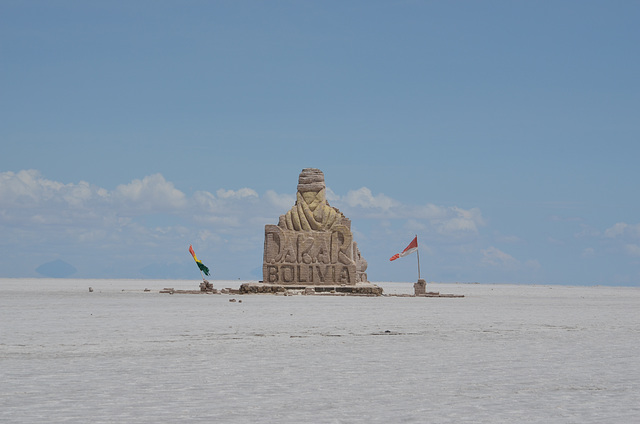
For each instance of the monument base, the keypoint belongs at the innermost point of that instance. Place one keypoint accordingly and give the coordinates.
(362, 289)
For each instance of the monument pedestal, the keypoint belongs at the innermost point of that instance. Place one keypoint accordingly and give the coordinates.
(361, 289)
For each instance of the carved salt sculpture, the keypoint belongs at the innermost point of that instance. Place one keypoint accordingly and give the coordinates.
(312, 243)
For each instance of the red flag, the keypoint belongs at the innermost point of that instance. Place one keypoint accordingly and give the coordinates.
(413, 246)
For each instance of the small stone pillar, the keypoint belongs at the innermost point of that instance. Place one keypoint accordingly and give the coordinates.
(206, 286)
(420, 288)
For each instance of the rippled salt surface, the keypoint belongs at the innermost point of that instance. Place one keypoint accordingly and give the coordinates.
(502, 354)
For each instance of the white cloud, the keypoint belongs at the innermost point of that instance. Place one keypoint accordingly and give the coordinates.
(331, 196)
(91, 236)
(79, 194)
(633, 249)
(430, 212)
(587, 231)
(153, 192)
(29, 200)
(616, 230)
(28, 188)
(448, 221)
(363, 198)
(283, 202)
(204, 201)
(461, 220)
(508, 239)
(216, 220)
(495, 257)
(625, 236)
(236, 194)
(415, 226)
(555, 241)
(532, 264)
(209, 236)
(623, 229)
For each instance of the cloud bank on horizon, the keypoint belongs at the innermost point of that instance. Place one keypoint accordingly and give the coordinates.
(142, 227)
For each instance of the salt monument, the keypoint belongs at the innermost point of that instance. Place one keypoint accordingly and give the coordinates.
(312, 247)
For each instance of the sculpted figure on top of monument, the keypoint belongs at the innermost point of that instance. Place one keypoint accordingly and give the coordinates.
(311, 211)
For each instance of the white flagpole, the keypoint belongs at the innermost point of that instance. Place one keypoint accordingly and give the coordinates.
(418, 255)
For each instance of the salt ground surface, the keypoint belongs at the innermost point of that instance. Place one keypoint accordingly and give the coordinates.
(501, 354)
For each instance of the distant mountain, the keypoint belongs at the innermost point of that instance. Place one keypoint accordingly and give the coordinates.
(56, 269)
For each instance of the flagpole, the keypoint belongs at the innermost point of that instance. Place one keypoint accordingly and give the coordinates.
(418, 255)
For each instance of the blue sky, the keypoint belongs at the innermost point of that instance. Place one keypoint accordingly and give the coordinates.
(505, 134)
